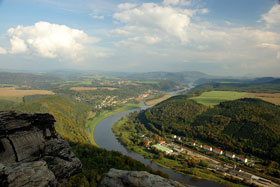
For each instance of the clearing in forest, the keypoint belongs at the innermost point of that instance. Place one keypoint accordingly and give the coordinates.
(269, 97)
(215, 97)
(11, 93)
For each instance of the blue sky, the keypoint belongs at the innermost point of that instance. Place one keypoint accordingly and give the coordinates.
(224, 37)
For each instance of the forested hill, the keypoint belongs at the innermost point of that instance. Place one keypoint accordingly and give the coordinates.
(259, 85)
(245, 125)
(28, 79)
(173, 115)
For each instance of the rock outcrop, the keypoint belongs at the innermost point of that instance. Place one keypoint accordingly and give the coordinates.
(31, 151)
(121, 178)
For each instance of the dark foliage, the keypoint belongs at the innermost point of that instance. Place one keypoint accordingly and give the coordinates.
(97, 161)
(244, 126)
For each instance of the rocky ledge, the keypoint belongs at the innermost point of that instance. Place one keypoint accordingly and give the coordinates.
(121, 178)
(32, 153)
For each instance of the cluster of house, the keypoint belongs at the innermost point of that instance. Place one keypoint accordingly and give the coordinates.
(220, 152)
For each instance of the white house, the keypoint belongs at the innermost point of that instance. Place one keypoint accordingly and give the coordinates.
(218, 151)
(241, 158)
(230, 155)
(208, 148)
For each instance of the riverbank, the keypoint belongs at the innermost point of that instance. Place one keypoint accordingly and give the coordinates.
(127, 134)
(92, 124)
(105, 138)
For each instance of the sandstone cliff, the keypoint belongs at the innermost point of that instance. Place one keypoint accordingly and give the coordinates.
(32, 153)
(121, 178)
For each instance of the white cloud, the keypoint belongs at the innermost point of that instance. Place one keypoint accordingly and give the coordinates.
(270, 46)
(176, 2)
(3, 51)
(123, 32)
(156, 18)
(49, 40)
(126, 6)
(272, 18)
(170, 2)
(183, 36)
(273, 47)
(17, 45)
(97, 17)
(204, 11)
(139, 40)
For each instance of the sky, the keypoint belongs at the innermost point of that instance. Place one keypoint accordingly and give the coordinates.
(218, 37)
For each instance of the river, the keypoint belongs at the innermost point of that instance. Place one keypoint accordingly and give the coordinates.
(105, 138)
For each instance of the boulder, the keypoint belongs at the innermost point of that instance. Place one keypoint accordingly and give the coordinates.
(122, 178)
(31, 151)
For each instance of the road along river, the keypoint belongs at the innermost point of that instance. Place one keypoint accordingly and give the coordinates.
(105, 138)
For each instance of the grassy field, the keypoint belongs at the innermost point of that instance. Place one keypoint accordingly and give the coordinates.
(215, 97)
(92, 124)
(91, 88)
(269, 97)
(162, 148)
(156, 101)
(12, 94)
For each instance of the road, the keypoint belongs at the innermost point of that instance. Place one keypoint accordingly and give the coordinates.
(226, 165)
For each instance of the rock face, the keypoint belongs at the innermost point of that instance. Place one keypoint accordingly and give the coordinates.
(121, 178)
(31, 151)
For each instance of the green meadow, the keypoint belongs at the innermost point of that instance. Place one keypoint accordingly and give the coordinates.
(215, 97)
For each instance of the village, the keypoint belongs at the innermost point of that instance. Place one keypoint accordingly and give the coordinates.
(113, 100)
(174, 146)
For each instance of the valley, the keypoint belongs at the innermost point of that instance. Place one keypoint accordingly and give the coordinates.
(81, 102)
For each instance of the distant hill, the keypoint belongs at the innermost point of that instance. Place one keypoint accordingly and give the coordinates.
(179, 76)
(34, 80)
(264, 84)
(243, 126)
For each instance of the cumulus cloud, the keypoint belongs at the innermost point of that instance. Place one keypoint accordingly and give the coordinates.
(183, 36)
(49, 40)
(17, 45)
(272, 18)
(3, 51)
(152, 16)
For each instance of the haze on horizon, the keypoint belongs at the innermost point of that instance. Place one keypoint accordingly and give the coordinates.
(221, 37)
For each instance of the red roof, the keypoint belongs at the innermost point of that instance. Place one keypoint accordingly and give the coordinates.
(241, 157)
(229, 153)
(198, 144)
(162, 141)
(206, 146)
(218, 150)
